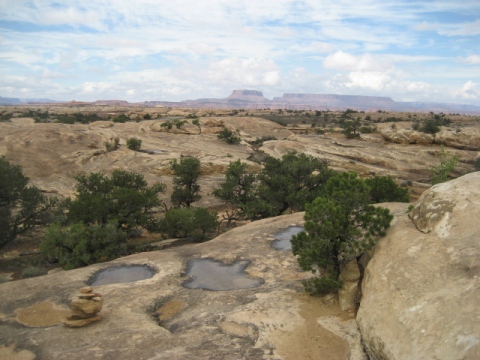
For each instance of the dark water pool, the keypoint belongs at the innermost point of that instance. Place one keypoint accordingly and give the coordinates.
(214, 275)
(121, 274)
(282, 239)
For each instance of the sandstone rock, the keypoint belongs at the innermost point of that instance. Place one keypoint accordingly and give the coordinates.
(76, 323)
(467, 138)
(406, 136)
(158, 318)
(421, 288)
(348, 294)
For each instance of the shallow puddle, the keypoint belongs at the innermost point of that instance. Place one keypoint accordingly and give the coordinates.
(214, 275)
(282, 239)
(121, 274)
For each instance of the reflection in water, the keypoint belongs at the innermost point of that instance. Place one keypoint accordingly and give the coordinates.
(121, 274)
(214, 275)
(282, 239)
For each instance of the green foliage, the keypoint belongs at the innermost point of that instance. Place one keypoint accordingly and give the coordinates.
(284, 184)
(112, 145)
(339, 226)
(134, 143)
(322, 285)
(289, 183)
(260, 141)
(22, 207)
(147, 117)
(366, 129)
(350, 129)
(188, 222)
(81, 245)
(185, 182)
(385, 189)
(33, 271)
(124, 198)
(5, 117)
(237, 190)
(170, 124)
(476, 164)
(229, 137)
(448, 163)
(122, 118)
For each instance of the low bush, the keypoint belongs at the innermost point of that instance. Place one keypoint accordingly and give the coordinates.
(80, 245)
(229, 137)
(134, 143)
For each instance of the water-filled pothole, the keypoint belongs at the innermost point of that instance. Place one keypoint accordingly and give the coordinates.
(121, 274)
(214, 275)
(282, 239)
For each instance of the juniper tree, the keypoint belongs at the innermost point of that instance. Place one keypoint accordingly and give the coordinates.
(339, 226)
(185, 182)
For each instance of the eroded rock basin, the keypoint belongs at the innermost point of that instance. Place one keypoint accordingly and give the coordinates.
(214, 275)
(282, 239)
(121, 274)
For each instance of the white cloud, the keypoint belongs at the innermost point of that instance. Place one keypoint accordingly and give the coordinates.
(374, 80)
(345, 61)
(244, 72)
(469, 91)
(472, 59)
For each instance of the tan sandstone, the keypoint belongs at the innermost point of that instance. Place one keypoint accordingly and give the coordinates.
(421, 288)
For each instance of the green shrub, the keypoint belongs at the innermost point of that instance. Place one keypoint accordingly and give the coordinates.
(188, 222)
(339, 226)
(366, 129)
(134, 143)
(476, 164)
(229, 137)
(112, 145)
(322, 285)
(80, 245)
(385, 189)
(121, 118)
(33, 271)
(448, 163)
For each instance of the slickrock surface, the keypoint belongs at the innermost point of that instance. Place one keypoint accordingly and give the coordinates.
(158, 318)
(52, 154)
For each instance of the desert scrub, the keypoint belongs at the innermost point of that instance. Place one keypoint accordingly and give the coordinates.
(33, 271)
(134, 143)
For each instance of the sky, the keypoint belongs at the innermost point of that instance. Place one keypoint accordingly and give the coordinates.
(143, 50)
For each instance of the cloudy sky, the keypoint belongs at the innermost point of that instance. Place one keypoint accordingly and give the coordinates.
(136, 50)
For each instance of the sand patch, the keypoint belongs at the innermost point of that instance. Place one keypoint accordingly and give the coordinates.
(42, 314)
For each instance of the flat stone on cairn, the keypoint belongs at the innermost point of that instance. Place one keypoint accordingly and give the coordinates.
(84, 308)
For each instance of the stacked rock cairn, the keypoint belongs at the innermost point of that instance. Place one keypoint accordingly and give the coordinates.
(84, 308)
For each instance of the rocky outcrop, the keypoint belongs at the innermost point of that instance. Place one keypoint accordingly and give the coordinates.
(421, 288)
(406, 136)
(467, 138)
(348, 295)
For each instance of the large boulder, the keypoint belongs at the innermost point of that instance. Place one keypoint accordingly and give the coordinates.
(421, 288)
(467, 138)
(406, 136)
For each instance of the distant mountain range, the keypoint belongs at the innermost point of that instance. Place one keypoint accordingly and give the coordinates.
(253, 99)
(17, 101)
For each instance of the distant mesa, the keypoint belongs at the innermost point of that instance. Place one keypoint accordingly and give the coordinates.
(254, 99)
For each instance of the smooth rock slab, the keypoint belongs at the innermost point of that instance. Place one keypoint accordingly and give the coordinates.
(421, 288)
